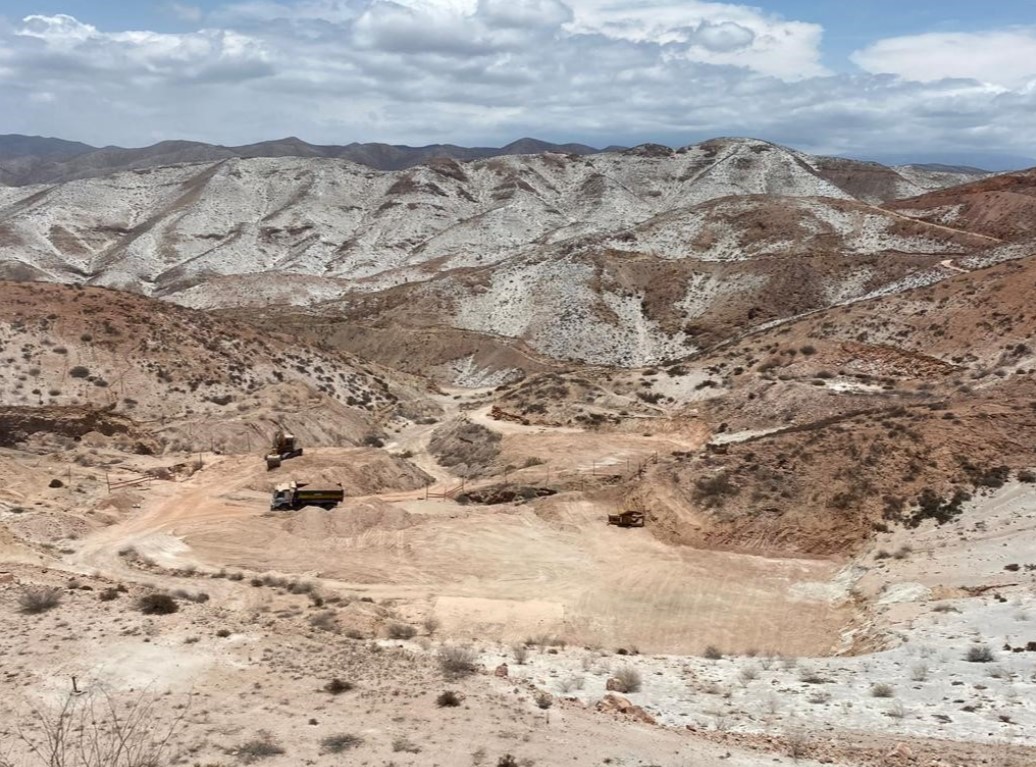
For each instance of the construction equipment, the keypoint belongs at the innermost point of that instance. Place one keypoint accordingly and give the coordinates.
(284, 447)
(294, 495)
(629, 518)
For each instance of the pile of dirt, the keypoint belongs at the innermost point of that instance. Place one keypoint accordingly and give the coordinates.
(360, 471)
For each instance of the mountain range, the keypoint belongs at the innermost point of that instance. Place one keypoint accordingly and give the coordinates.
(35, 160)
(622, 257)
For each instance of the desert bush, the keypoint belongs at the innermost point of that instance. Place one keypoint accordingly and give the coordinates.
(79, 372)
(919, 673)
(930, 505)
(401, 631)
(628, 678)
(337, 686)
(404, 744)
(38, 599)
(1026, 475)
(713, 491)
(749, 674)
(325, 621)
(263, 746)
(108, 594)
(979, 653)
(520, 653)
(882, 690)
(543, 700)
(101, 730)
(157, 604)
(431, 625)
(300, 587)
(457, 661)
(336, 744)
(809, 676)
(712, 653)
(448, 699)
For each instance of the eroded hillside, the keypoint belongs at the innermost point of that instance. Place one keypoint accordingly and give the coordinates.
(192, 380)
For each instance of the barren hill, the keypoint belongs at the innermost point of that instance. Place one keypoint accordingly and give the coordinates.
(84, 355)
(171, 231)
(855, 418)
(1002, 206)
(676, 283)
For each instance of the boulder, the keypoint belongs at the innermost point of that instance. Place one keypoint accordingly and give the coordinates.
(616, 704)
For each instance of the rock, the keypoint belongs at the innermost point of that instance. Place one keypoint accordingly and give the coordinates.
(616, 704)
(900, 751)
(501, 670)
(614, 685)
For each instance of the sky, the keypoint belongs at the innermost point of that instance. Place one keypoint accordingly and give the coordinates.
(893, 80)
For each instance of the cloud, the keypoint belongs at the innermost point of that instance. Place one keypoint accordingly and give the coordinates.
(481, 71)
(1006, 57)
(190, 13)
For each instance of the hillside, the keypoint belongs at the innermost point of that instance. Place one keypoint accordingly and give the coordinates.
(80, 360)
(679, 282)
(830, 427)
(1002, 206)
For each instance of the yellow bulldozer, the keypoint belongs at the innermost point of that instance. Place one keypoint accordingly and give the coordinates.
(284, 447)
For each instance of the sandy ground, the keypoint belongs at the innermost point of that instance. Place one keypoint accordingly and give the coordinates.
(804, 643)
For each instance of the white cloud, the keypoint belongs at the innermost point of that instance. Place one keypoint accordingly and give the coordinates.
(480, 71)
(1006, 57)
(191, 13)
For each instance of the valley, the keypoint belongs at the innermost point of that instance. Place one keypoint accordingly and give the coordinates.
(813, 376)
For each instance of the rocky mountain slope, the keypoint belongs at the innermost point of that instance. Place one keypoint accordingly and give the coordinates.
(81, 359)
(561, 230)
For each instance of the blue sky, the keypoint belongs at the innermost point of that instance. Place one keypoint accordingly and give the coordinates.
(948, 80)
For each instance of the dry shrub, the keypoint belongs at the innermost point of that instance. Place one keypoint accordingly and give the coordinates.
(157, 604)
(401, 631)
(38, 599)
(457, 661)
(628, 678)
(468, 448)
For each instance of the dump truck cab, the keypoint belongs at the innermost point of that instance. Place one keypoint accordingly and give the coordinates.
(282, 496)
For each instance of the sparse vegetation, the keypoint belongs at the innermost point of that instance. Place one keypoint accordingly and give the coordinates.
(882, 690)
(337, 686)
(448, 699)
(401, 631)
(263, 746)
(33, 600)
(336, 744)
(157, 604)
(712, 653)
(628, 679)
(457, 661)
(980, 653)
